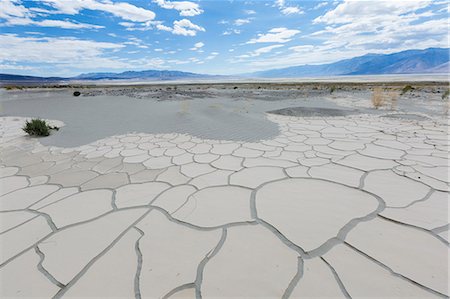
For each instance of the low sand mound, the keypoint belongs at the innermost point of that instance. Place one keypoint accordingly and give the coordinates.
(311, 111)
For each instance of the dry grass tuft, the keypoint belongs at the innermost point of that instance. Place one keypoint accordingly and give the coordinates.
(184, 107)
(377, 97)
(393, 97)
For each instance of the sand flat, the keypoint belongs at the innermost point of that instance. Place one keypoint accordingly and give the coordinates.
(213, 196)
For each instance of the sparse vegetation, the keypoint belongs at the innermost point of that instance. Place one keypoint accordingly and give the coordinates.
(393, 96)
(446, 94)
(332, 89)
(377, 97)
(13, 87)
(406, 89)
(38, 127)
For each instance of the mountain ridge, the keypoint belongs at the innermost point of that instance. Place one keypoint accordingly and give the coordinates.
(431, 60)
(427, 61)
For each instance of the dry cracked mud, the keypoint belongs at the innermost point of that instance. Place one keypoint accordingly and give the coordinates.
(334, 206)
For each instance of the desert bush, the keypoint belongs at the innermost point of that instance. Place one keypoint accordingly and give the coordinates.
(332, 89)
(446, 94)
(38, 127)
(13, 87)
(377, 97)
(76, 93)
(406, 89)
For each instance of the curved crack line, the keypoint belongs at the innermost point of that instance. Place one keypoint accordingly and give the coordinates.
(338, 279)
(113, 199)
(290, 288)
(179, 289)
(74, 280)
(201, 228)
(47, 218)
(328, 244)
(362, 179)
(185, 202)
(20, 224)
(137, 286)
(199, 278)
(44, 271)
(395, 273)
(46, 196)
(430, 232)
(64, 228)
(441, 229)
(426, 197)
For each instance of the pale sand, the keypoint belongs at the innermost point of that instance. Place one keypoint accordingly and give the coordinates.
(328, 205)
(211, 111)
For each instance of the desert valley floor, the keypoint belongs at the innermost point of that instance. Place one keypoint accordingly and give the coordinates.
(226, 191)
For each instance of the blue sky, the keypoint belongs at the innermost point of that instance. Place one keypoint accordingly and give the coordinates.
(69, 37)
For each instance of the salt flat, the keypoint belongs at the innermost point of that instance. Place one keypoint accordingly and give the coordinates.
(317, 203)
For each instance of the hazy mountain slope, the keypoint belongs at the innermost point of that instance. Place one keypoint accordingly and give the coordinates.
(431, 60)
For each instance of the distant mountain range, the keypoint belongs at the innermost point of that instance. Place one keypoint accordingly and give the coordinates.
(432, 60)
(129, 75)
(150, 74)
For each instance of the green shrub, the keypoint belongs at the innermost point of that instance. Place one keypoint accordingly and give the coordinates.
(332, 89)
(406, 89)
(13, 87)
(38, 127)
(446, 94)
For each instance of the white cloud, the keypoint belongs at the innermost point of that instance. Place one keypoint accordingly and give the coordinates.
(76, 53)
(186, 28)
(212, 55)
(52, 23)
(13, 9)
(355, 28)
(264, 50)
(356, 11)
(197, 46)
(186, 8)
(16, 14)
(320, 5)
(134, 41)
(127, 24)
(122, 10)
(64, 24)
(291, 10)
(258, 52)
(249, 12)
(382, 25)
(181, 27)
(148, 63)
(231, 31)
(163, 28)
(288, 10)
(240, 22)
(305, 48)
(275, 35)
(15, 67)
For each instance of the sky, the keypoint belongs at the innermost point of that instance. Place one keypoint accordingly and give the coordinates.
(70, 37)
